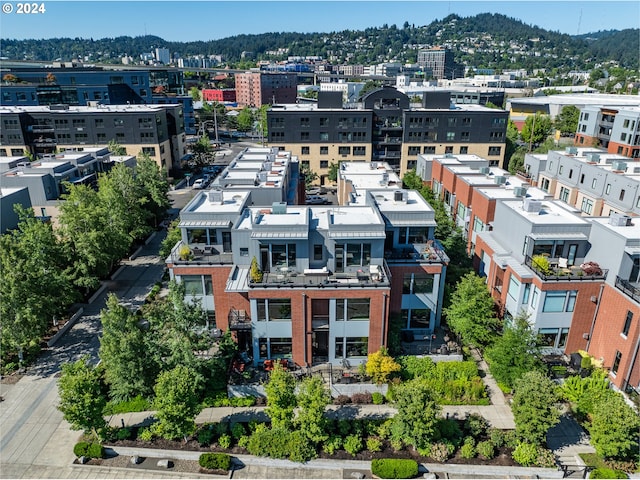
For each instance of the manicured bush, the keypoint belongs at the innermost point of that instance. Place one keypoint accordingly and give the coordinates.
(215, 461)
(607, 473)
(377, 398)
(475, 425)
(394, 468)
(88, 450)
(468, 449)
(364, 398)
(243, 441)
(342, 400)
(145, 434)
(374, 444)
(224, 441)
(496, 436)
(416, 367)
(123, 433)
(439, 452)
(274, 443)
(332, 444)
(353, 444)
(237, 430)
(301, 449)
(384, 429)
(137, 404)
(525, 454)
(205, 436)
(344, 427)
(546, 458)
(486, 449)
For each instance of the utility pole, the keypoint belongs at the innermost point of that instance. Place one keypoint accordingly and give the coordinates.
(533, 129)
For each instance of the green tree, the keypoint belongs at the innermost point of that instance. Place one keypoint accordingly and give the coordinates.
(417, 418)
(567, 119)
(514, 353)
(309, 176)
(202, 150)
(153, 187)
(534, 408)
(35, 282)
(174, 235)
(380, 366)
(281, 399)
(334, 168)
(115, 148)
(176, 402)
(245, 120)
(312, 399)
(460, 263)
(82, 399)
(195, 94)
(536, 128)
(471, 313)
(614, 427)
(516, 161)
(128, 370)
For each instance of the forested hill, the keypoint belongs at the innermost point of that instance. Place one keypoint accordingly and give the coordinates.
(485, 41)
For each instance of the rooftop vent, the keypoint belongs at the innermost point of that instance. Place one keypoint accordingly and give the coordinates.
(593, 157)
(532, 206)
(619, 166)
(279, 208)
(215, 196)
(571, 150)
(373, 165)
(262, 177)
(619, 220)
(500, 179)
(519, 191)
(267, 166)
(485, 170)
(400, 196)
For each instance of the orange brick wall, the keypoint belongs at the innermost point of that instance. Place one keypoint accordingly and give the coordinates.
(607, 339)
(397, 276)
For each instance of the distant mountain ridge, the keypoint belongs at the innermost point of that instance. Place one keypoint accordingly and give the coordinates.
(485, 41)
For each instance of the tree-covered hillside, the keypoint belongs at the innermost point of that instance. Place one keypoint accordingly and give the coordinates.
(485, 41)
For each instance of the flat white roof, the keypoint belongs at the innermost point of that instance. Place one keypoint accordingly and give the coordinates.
(387, 203)
(354, 215)
(552, 212)
(6, 191)
(10, 159)
(85, 109)
(630, 232)
(501, 193)
(232, 202)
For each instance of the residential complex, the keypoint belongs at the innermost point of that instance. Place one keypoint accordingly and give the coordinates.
(440, 63)
(616, 129)
(325, 279)
(385, 128)
(155, 130)
(564, 253)
(255, 88)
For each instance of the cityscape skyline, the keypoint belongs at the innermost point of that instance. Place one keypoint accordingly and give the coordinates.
(199, 20)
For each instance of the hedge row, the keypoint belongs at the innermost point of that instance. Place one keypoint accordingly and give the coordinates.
(88, 450)
(215, 461)
(394, 468)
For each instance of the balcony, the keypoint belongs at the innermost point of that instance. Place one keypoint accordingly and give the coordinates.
(556, 271)
(373, 276)
(197, 254)
(419, 253)
(238, 320)
(628, 288)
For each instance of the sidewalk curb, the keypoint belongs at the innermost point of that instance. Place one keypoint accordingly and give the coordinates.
(72, 321)
(99, 292)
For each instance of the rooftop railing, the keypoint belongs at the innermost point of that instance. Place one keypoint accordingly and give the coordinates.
(554, 272)
(628, 288)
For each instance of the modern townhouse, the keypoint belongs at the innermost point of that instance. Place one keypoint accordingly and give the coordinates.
(615, 128)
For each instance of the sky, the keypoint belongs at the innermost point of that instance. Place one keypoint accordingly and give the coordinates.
(176, 20)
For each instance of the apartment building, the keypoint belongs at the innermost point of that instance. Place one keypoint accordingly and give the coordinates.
(255, 88)
(596, 182)
(9, 197)
(385, 129)
(616, 129)
(574, 273)
(219, 95)
(156, 130)
(441, 62)
(330, 276)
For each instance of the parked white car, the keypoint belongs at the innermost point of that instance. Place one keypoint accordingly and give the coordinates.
(199, 184)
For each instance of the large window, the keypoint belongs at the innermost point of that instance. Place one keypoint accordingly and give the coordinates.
(283, 255)
(514, 288)
(197, 285)
(559, 301)
(616, 363)
(352, 347)
(358, 254)
(274, 309)
(279, 347)
(587, 206)
(416, 318)
(411, 235)
(353, 309)
(414, 283)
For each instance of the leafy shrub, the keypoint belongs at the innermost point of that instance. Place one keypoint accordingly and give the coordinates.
(215, 461)
(486, 449)
(397, 444)
(205, 435)
(237, 430)
(332, 444)
(526, 454)
(468, 449)
(374, 444)
(384, 429)
(377, 398)
(364, 398)
(353, 444)
(88, 450)
(416, 367)
(496, 436)
(301, 448)
(381, 366)
(439, 452)
(272, 443)
(344, 427)
(510, 439)
(450, 430)
(221, 428)
(224, 441)
(342, 400)
(394, 468)
(145, 434)
(545, 459)
(123, 433)
(624, 466)
(243, 441)
(607, 473)
(137, 404)
(475, 425)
